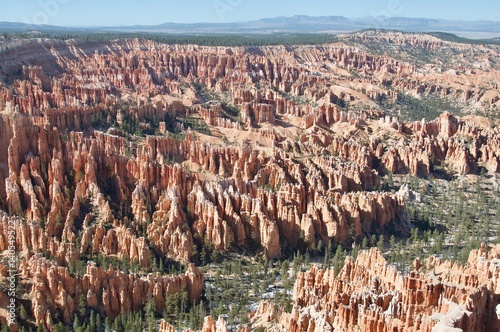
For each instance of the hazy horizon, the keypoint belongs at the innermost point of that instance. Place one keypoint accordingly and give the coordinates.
(74, 13)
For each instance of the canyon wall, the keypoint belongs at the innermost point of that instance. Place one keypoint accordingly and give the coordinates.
(370, 295)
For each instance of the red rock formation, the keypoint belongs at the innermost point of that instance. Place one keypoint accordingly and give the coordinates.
(210, 325)
(370, 295)
(166, 327)
(108, 292)
(146, 180)
(285, 164)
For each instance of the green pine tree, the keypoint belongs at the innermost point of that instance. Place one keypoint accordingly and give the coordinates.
(77, 325)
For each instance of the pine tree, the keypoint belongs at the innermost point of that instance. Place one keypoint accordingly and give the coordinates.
(59, 327)
(215, 256)
(364, 243)
(381, 243)
(98, 322)
(92, 321)
(326, 261)
(118, 324)
(285, 266)
(82, 305)
(392, 242)
(169, 307)
(338, 259)
(266, 265)
(161, 267)
(76, 323)
(23, 314)
(355, 252)
(107, 323)
(201, 315)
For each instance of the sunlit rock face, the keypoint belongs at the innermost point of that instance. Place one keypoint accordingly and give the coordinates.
(370, 295)
(143, 152)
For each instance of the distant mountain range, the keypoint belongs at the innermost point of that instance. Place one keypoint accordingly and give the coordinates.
(295, 24)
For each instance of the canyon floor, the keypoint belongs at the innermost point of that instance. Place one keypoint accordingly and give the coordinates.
(344, 186)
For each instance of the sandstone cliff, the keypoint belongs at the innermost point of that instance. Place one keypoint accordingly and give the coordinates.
(370, 295)
(109, 292)
(142, 152)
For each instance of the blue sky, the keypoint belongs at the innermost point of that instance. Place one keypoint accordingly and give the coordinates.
(130, 12)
